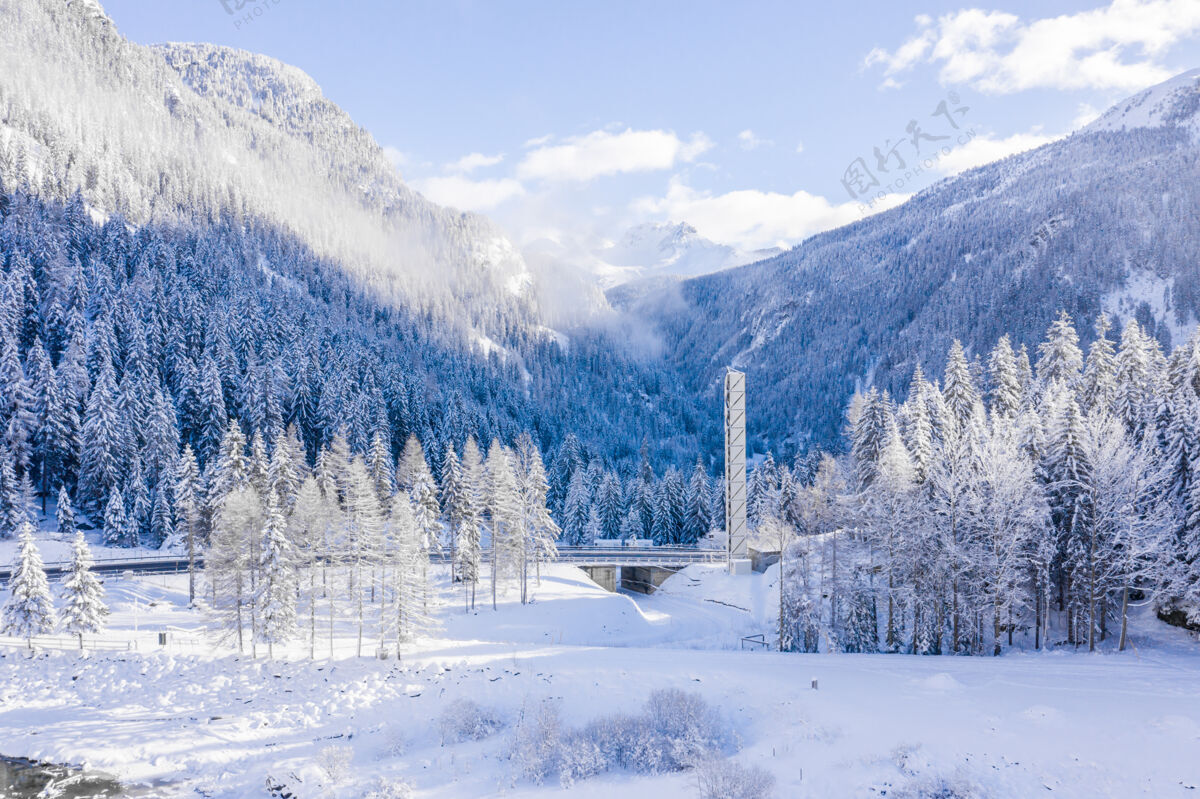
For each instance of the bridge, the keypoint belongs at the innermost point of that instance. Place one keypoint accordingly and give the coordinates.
(640, 568)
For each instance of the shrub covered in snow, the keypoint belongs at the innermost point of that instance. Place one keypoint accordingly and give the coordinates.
(537, 740)
(722, 778)
(390, 789)
(676, 730)
(466, 720)
(335, 762)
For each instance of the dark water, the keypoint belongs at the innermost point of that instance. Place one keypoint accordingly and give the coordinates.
(21, 778)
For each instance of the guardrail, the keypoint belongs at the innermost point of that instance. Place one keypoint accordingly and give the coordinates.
(583, 555)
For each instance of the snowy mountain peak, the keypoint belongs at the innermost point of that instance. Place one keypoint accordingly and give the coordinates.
(1172, 103)
(658, 249)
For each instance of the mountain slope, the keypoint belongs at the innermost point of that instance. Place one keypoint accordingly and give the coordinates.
(244, 168)
(181, 131)
(1106, 218)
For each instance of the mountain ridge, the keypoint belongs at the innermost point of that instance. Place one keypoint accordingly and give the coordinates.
(1084, 224)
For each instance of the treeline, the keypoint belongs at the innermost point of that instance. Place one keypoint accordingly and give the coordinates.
(1007, 505)
(290, 549)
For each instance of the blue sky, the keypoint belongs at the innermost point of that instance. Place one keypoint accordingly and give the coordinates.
(574, 120)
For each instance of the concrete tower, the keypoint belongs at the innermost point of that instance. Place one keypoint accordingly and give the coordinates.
(735, 472)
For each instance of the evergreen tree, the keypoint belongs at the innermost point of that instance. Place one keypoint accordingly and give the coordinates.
(101, 469)
(698, 521)
(575, 511)
(1005, 382)
(64, 514)
(29, 610)
(117, 530)
(83, 596)
(18, 419)
(186, 495)
(379, 463)
(13, 512)
(1099, 388)
(958, 389)
(1059, 357)
(608, 506)
(275, 598)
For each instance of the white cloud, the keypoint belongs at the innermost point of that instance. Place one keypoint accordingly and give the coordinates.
(1085, 114)
(748, 140)
(600, 153)
(753, 219)
(799, 147)
(398, 158)
(469, 163)
(1119, 46)
(469, 195)
(984, 149)
(538, 141)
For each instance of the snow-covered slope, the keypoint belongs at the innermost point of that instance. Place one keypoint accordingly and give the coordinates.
(193, 718)
(193, 131)
(1173, 103)
(1104, 219)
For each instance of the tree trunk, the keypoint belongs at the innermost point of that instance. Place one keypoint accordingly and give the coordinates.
(1124, 617)
(191, 548)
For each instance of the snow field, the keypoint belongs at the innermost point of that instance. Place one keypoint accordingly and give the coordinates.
(219, 724)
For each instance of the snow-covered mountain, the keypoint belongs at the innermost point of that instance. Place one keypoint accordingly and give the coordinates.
(1171, 104)
(1107, 218)
(186, 131)
(668, 249)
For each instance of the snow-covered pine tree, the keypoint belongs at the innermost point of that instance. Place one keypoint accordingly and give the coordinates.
(1005, 394)
(868, 421)
(958, 387)
(162, 523)
(1059, 358)
(64, 514)
(258, 465)
(228, 470)
(1099, 387)
(29, 610)
(275, 598)
(379, 464)
(101, 469)
(575, 511)
(18, 418)
(422, 489)
(698, 522)
(83, 596)
(1134, 376)
(608, 506)
(186, 496)
(13, 512)
(918, 426)
(116, 530)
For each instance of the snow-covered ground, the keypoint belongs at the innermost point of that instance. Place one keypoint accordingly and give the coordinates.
(197, 719)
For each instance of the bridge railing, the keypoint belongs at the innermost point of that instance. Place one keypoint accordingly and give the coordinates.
(587, 555)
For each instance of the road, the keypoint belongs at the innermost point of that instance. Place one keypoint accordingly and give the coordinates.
(578, 556)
